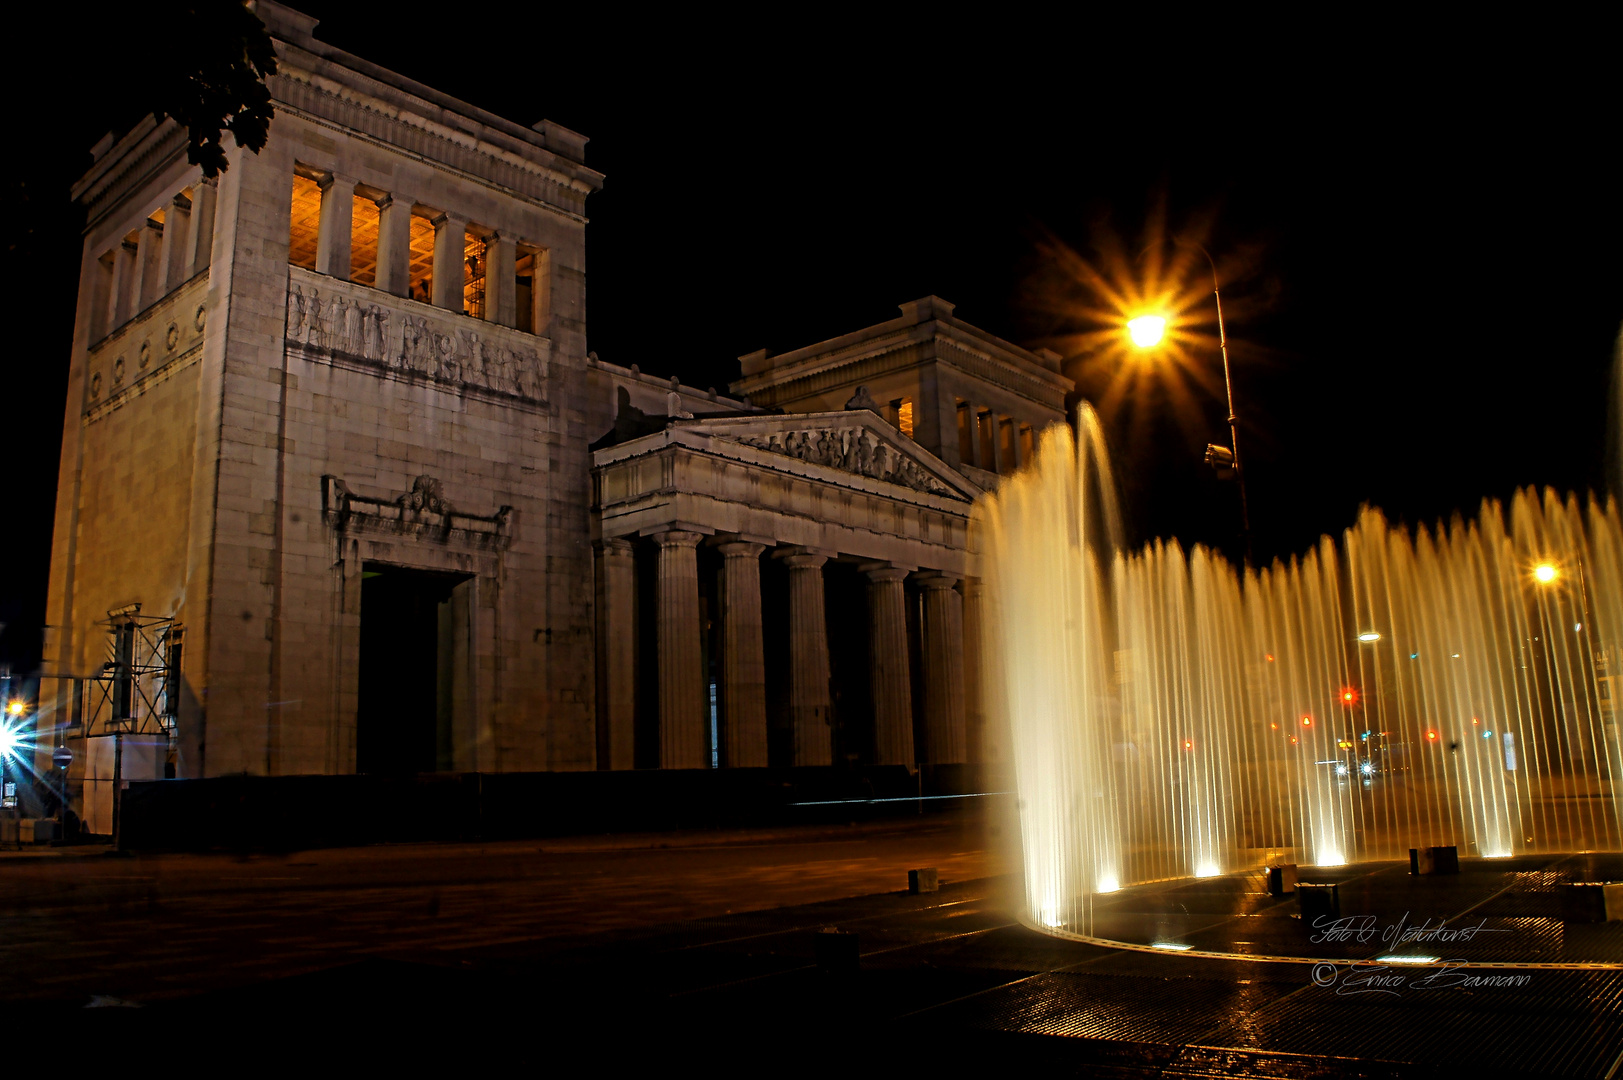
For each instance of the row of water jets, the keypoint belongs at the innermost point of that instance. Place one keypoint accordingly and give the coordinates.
(1168, 715)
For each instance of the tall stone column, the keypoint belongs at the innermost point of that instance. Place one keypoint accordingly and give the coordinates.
(450, 244)
(148, 266)
(946, 741)
(616, 655)
(200, 237)
(501, 286)
(122, 295)
(890, 672)
(683, 741)
(394, 244)
(977, 738)
(337, 221)
(808, 661)
(176, 234)
(743, 659)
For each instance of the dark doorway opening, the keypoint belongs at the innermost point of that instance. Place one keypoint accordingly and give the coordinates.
(413, 678)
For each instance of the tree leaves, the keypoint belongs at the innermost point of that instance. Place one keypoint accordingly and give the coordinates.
(210, 75)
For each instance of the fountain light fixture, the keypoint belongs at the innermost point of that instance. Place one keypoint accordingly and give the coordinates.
(1107, 884)
(1170, 946)
(1207, 869)
(1545, 573)
(1147, 330)
(1405, 959)
(1369, 636)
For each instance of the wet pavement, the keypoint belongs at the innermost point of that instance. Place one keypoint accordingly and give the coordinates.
(615, 956)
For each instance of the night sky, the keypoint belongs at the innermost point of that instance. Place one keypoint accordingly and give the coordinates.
(1421, 229)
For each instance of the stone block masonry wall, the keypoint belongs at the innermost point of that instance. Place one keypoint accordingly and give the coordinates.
(206, 433)
(300, 401)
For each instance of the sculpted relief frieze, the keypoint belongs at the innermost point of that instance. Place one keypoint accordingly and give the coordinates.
(853, 449)
(349, 327)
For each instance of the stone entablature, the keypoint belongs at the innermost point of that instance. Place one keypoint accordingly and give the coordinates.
(148, 349)
(717, 476)
(926, 332)
(326, 84)
(423, 513)
(363, 329)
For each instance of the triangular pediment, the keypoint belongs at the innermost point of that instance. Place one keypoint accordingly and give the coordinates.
(855, 441)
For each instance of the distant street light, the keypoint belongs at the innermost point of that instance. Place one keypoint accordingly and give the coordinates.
(1545, 573)
(1369, 636)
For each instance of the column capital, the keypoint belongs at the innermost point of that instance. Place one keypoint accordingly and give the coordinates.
(339, 179)
(390, 198)
(182, 202)
(740, 549)
(446, 217)
(677, 538)
(800, 560)
(884, 571)
(615, 545)
(935, 579)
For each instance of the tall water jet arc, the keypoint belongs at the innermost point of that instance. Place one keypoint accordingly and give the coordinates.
(1169, 716)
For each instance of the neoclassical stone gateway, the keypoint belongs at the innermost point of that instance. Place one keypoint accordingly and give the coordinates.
(336, 452)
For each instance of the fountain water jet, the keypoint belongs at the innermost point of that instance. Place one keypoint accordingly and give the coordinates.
(1167, 716)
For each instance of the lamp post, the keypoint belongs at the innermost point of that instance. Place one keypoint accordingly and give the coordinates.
(1146, 331)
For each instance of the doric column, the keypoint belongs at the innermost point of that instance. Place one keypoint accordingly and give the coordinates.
(501, 295)
(176, 236)
(683, 741)
(394, 244)
(975, 734)
(616, 655)
(336, 223)
(808, 660)
(945, 741)
(743, 659)
(450, 244)
(200, 237)
(148, 266)
(891, 673)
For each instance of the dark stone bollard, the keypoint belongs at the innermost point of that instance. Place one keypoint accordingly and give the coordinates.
(1318, 902)
(1282, 879)
(923, 880)
(836, 950)
(1434, 860)
(1592, 901)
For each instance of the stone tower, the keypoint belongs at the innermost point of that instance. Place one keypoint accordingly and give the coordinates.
(353, 367)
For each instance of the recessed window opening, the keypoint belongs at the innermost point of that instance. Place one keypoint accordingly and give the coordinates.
(988, 456)
(901, 411)
(364, 223)
(966, 433)
(1006, 444)
(421, 275)
(1028, 444)
(526, 272)
(473, 274)
(306, 222)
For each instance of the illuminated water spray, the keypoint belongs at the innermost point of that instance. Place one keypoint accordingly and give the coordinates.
(1166, 717)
